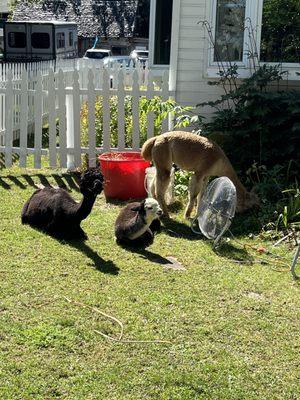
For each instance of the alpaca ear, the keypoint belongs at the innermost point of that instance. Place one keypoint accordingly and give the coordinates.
(140, 207)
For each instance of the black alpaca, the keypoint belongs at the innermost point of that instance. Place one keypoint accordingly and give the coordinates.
(55, 212)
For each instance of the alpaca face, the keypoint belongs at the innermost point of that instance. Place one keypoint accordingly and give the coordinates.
(91, 182)
(152, 209)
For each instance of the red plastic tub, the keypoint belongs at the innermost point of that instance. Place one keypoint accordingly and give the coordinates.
(124, 175)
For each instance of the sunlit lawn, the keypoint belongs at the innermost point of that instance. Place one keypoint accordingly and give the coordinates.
(233, 329)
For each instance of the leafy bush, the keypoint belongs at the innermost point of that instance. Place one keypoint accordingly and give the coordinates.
(289, 216)
(181, 184)
(159, 108)
(256, 120)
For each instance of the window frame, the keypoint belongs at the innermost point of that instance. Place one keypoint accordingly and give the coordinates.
(254, 12)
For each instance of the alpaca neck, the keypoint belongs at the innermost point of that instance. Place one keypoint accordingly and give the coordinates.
(85, 206)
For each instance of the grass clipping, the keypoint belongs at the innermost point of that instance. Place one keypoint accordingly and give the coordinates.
(118, 339)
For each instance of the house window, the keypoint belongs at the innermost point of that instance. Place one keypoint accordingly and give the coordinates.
(17, 39)
(40, 40)
(60, 40)
(280, 36)
(163, 25)
(71, 39)
(229, 40)
(265, 28)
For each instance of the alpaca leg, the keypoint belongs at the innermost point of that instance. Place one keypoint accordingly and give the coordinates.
(195, 187)
(152, 189)
(162, 182)
(199, 197)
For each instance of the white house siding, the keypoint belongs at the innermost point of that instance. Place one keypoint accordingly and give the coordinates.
(189, 56)
(192, 57)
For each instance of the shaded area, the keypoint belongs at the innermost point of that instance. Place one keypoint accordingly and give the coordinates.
(67, 181)
(104, 266)
(179, 230)
(233, 253)
(149, 255)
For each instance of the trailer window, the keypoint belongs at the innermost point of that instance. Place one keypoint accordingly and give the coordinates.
(40, 40)
(60, 40)
(71, 40)
(17, 39)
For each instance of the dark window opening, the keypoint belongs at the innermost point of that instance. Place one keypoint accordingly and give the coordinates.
(40, 40)
(60, 40)
(17, 39)
(163, 25)
(71, 39)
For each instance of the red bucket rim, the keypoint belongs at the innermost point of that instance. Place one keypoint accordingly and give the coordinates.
(104, 156)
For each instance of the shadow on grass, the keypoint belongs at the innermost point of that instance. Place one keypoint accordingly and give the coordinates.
(233, 253)
(179, 230)
(4, 184)
(69, 182)
(104, 266)
(146, 254)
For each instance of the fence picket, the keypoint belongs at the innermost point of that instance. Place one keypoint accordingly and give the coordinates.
(62, 119)
(106, 110)
(121, 111)
(52, 119)
(135, 111)
(165, 97)
(91, 119)
(38, 125)
(150, 116)
(9, 102)
(76, 117)
(23, 119)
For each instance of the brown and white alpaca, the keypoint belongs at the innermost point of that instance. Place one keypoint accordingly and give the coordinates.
(195, 153)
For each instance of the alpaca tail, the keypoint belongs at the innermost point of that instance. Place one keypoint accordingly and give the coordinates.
(147, 149)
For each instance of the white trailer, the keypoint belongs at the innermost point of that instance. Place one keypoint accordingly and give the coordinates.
(39, 40)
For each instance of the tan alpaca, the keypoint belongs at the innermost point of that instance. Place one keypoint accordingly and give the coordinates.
(195, 153)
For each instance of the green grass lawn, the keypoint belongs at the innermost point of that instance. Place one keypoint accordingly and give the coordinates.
(234, 328)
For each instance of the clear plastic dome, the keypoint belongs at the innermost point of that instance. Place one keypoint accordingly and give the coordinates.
(217, 208)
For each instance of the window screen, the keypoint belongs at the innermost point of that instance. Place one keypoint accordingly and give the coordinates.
(40, 40)
(17, 39)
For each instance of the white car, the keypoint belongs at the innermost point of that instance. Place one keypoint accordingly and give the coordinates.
(140, 55)
(117, 60)
(96, 54)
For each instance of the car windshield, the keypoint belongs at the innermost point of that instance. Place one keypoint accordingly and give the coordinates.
(95, 54)
(120, 60)
(142, 54)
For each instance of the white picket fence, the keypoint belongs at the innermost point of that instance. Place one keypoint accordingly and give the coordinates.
(53, 94)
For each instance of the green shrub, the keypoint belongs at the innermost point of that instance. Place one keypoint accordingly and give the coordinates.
(159, 108)
(256, 122)
(289, 216)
